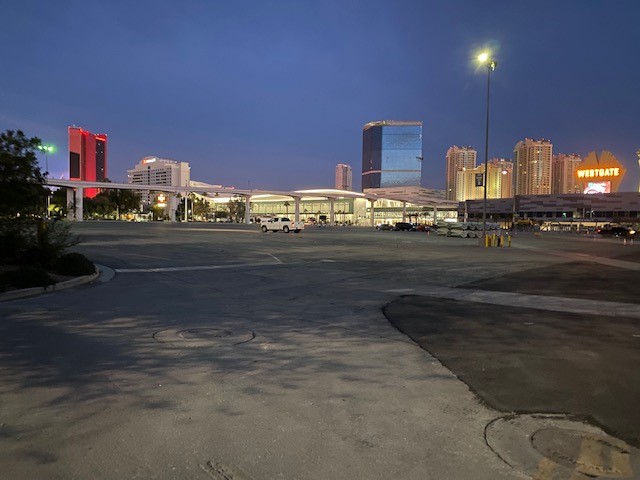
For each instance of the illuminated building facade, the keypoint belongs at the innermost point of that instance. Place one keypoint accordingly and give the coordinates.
(563, 173)
(638, 154)
(87, 157)
(564, 211)
(532, 167)
(344, 177)
(458, 159)
(391, 154)
(159, 171)
(499, 181)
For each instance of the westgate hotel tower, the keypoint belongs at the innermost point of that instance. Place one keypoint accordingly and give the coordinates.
(87, 157)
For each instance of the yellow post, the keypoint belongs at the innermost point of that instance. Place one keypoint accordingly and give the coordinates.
(509, 239)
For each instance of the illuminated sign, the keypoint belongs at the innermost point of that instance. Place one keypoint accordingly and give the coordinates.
(149, 160)
(598, 172)
(597, 187)
(601, 173)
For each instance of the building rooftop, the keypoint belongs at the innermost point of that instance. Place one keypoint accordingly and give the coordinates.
(387, 123)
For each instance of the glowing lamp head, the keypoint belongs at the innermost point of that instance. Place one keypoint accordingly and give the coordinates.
(483, 57)
(47, 148)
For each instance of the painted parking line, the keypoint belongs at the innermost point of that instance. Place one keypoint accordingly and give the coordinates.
(611, 262)
(511, 299)
(195, 268)
(217, 230)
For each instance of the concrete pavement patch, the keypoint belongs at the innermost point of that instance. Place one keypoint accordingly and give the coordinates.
(550, 447)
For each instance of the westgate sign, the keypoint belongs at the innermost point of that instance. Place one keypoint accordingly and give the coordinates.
(600, 173)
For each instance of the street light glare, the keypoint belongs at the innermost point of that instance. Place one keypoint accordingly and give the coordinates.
(47, 148)
(483, 57)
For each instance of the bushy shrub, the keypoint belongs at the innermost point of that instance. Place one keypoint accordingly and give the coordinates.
(36, 256)
(26, 277)
(52, 239)
(11, 243)
(34, 241)
(74, 265)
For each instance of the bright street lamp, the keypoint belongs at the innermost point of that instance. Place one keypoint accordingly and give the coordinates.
(47, 149)
(485, 60)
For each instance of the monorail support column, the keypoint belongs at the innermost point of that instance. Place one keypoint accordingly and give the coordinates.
(79, 203)
(332, 213)
(404, 211)
(71, 202)
(435, 214)
(247, 209)
(373, 214)
(296, 201)
(173, 206)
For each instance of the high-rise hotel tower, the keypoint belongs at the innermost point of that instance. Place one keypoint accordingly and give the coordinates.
(344, 177)
(532, 167)
(563, 173)
(391, 154)
(458, 159)
(87, 157)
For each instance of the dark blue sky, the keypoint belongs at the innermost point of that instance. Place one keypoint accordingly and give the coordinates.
(275, 93)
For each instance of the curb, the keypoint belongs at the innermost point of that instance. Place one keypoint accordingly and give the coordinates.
(30, 292)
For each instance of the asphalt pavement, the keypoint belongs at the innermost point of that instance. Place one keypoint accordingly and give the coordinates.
(216, 351)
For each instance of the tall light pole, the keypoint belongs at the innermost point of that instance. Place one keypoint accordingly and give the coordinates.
(47, 149)
(638, 154)
(486, 61)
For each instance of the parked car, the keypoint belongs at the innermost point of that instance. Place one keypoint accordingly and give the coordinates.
(384, 226)
(405, 226)
(617, 231)
(284, 224)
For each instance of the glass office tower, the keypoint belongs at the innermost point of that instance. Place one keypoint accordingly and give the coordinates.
(391, 154)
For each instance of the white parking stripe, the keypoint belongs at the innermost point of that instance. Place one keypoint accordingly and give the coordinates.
(195, 268)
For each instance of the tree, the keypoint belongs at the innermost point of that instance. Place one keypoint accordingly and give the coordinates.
(236, 209)
(200, 208)
(22, 190)
(59, 206)
(26, 236)
(124, 201)
(112, 203)
(98, 206)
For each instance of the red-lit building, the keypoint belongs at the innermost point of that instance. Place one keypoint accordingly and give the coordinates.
(87, 157)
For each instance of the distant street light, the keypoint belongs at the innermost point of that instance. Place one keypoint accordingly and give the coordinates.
(47, 149)
(485, 60)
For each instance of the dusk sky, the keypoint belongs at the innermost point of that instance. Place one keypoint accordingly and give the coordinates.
(273, 94)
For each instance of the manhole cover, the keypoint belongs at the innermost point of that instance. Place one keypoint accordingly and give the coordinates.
(203, 337)
(588, 453)
(547, 446)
